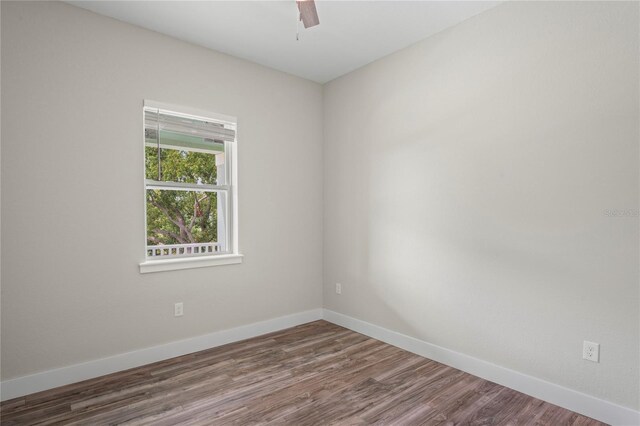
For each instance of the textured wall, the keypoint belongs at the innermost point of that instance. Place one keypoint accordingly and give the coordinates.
(73, 84)
(466, 183)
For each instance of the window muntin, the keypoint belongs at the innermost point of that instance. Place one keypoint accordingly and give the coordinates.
(188, 182)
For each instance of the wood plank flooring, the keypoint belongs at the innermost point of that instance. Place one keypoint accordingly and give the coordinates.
(313, 374)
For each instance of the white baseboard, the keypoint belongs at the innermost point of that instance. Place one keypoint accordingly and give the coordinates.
(74, 373)
(570, 399)
(567, 398)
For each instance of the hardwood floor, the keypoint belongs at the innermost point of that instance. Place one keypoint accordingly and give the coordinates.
(313, 374)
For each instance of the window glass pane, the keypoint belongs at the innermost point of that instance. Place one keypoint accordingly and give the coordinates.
(185, 166)
(189, 218)
(183, 152)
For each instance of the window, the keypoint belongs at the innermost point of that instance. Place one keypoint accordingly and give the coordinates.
(190, 189)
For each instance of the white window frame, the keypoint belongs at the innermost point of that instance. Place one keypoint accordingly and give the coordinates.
(232, 255)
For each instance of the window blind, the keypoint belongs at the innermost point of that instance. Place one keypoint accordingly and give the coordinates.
(177, 126)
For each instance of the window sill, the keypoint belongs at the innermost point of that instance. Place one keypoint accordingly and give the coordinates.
(189, 263)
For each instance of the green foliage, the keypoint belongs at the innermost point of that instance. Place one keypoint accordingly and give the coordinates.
(181, 217)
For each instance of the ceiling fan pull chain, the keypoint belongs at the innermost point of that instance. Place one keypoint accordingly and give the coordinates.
(298, 27)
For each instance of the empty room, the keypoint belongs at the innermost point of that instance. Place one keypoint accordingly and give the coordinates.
(320, 213)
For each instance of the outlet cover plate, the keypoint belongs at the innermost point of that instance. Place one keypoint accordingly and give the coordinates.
(178, 309)
(591, 351)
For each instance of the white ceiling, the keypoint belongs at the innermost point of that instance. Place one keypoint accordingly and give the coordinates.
(350, 35)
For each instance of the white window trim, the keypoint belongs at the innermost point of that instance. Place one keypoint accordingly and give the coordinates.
(235, 257)
(191, 111)
(189, 263)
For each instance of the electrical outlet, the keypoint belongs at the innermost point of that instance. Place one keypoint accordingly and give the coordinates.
(178, 309)
(338, 288)
(591, 351)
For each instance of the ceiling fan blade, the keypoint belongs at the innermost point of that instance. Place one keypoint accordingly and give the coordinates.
(308, 13)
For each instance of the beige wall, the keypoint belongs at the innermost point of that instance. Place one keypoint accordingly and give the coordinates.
(466, 179)
(72, 199)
